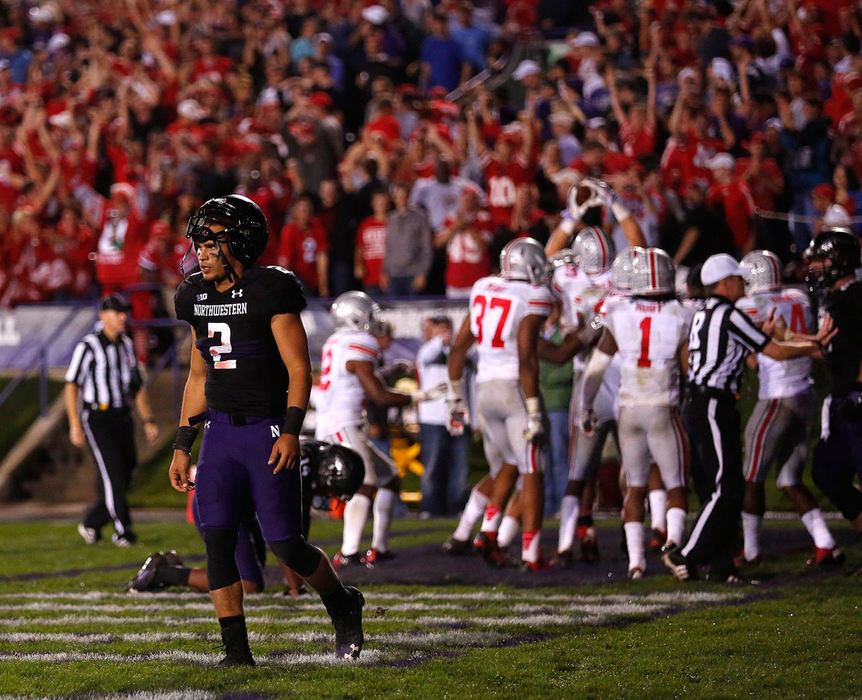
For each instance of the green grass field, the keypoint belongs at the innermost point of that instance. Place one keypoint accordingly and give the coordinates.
(68, 627)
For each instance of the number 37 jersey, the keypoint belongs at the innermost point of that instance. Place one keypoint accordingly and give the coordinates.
(497, 307)
(245, 372)
(648, 336)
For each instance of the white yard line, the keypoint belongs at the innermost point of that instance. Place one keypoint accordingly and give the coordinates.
(322, 659)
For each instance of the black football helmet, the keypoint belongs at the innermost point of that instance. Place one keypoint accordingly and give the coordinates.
(840, 249)
(245, 228)
(340, 471)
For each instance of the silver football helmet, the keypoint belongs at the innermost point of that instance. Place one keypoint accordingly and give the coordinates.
(761, 270)
(356, 311)
(524, 259)
(621, 269)
(593, 250)
(653, 273)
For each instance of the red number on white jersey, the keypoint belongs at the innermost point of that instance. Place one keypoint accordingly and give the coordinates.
(645, 326)
(505, 305)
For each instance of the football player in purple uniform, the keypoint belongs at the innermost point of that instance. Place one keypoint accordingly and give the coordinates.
(248, 386)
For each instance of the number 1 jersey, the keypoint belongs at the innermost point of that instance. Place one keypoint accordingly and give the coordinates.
(497, 307)
(648, 335)
(245, 372)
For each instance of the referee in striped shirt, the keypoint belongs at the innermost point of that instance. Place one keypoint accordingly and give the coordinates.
(721, 338)
(102, 379)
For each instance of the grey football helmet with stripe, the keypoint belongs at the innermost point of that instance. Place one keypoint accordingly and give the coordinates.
(524, 259)
(621, 269)
(653, 273)
(593, 250)
(761, 270)
(356, 311)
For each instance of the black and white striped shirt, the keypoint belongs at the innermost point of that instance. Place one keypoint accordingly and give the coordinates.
(720, 339)
(107, 373)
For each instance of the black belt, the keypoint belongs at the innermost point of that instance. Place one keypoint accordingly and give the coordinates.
(711, 392)
(105, 408)
(238, 419)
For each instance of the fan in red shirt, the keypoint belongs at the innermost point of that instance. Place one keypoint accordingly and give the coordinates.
(685, 156)
(507, 167)
(732, 198)
(122, 234)
(303, 248)
(371, 244)
(762, 174)
(466, 235)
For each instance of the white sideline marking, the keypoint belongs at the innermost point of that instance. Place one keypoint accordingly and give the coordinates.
(414, 639)
(328, 659)
(374, 597)
(289, 612)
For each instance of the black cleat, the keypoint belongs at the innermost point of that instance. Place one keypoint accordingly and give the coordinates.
(563, 560)
(490, 550)
(373, 556)
(456, 547)
(340, 560)
(235, 642)
(347, 620)
(590, 546)
(147, 577)
(826, 558)
(237, 658)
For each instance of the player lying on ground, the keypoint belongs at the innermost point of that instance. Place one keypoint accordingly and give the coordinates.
(328, 471)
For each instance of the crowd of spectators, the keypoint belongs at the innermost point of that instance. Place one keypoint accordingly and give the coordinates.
(339, 119)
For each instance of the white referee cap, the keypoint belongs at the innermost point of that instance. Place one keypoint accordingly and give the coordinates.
(717, 267)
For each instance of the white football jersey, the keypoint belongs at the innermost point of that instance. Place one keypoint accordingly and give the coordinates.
(782, 378)
(340, 395)
(648, 335)
(581, 295)
(497, 307)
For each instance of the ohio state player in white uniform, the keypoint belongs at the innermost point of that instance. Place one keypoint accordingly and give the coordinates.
(506, 316)
(649, 331)
(347, 377)
(590, 203)
(582, 282)
(777, 431)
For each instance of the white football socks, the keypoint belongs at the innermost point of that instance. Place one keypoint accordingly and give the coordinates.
(751, 535)
(491, 521)
(569, 509)
(355, 514)
(473, 512)
(675, 525)
(635, 545)
(816, 526)
(657, 509)
(530, 546)
(384, 504)
(508, 529)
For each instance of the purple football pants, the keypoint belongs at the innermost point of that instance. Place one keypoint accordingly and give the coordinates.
(233, 472)
(250, 548)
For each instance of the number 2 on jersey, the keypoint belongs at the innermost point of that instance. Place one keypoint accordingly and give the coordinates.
(645, 326)
(496, 303)
(325, 368)
(224, 348)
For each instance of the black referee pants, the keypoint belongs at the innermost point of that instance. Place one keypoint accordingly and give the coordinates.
(714, 431)
(111, 437)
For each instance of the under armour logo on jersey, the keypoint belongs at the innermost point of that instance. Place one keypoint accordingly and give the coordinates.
(234, 293)
(207, 425)
(275, 430)
(201, 297)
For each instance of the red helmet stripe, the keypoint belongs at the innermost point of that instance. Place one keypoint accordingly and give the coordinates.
(652, 271)
(601, 239)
